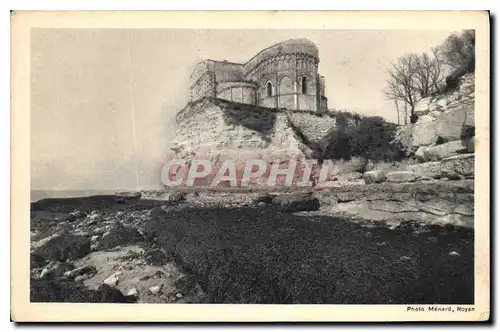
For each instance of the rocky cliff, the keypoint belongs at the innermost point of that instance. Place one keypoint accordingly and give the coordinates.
(445, 125)
(440, 148)
(215, 128)
(434, 184)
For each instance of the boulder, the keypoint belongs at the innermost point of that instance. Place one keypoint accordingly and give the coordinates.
(78, 214)
(466, 89)
(296, 202)
(108, 294)
(425, 119)
(374, 177)
(456, 167)
(264, 198)
(463, 165)
(65, 218)
(155, 289)
(422, 106)
(113, 279)
(435, 114)
(424, 134)
(442, 151)
(56, 269)
(120, 235)
(441, 103)
(346, 197)
(456, 124)
(400, 176)
(433, 108)
(455, 220)
(176, 197)
(392, 206)
(429, 170)
(69, 291)
(87, 269)
(133, 292)
(420, 154)
(63, 247)
(350, 176)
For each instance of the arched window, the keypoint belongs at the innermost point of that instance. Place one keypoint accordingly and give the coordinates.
(304, 85)
(286, 86)
(269, 89)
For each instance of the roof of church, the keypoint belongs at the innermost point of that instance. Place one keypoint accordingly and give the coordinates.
(231, 71)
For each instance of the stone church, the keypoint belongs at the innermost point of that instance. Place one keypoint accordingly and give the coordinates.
(284, 75)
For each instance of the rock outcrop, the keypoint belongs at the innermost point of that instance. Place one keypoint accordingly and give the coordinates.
(427, 202)
(439, 146)
(213, 128)
(442, 118)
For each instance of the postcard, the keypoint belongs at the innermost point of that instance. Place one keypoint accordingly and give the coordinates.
(276, 166)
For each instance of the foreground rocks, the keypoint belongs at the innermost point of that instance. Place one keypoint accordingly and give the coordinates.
(374, 177)
(63, 247)
(99, 253)
(433, 202)
(111, 252)
(66, 291)
(443, 151)
(119, 235)
(456, 167)
(445, 124)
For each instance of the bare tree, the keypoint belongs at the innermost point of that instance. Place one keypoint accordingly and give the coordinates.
(411, 78)
(401, 83)
(428, 73)
(457, 50)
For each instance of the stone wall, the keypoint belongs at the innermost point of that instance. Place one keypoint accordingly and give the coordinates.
(242, 92)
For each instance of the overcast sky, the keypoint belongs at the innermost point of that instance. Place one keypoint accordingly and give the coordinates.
(88, 84)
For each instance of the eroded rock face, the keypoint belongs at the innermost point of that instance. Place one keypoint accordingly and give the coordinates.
(456, 123)
(442, 151)
(456, 167)
(424, 134)
(442, 118)
(431, 202)
(212, 128)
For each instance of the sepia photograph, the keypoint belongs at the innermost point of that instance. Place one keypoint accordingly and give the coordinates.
(182, 163)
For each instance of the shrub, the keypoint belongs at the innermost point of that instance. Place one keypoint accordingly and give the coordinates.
(372, 138)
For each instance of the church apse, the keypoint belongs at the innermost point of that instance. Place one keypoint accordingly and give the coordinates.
(284, 75)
